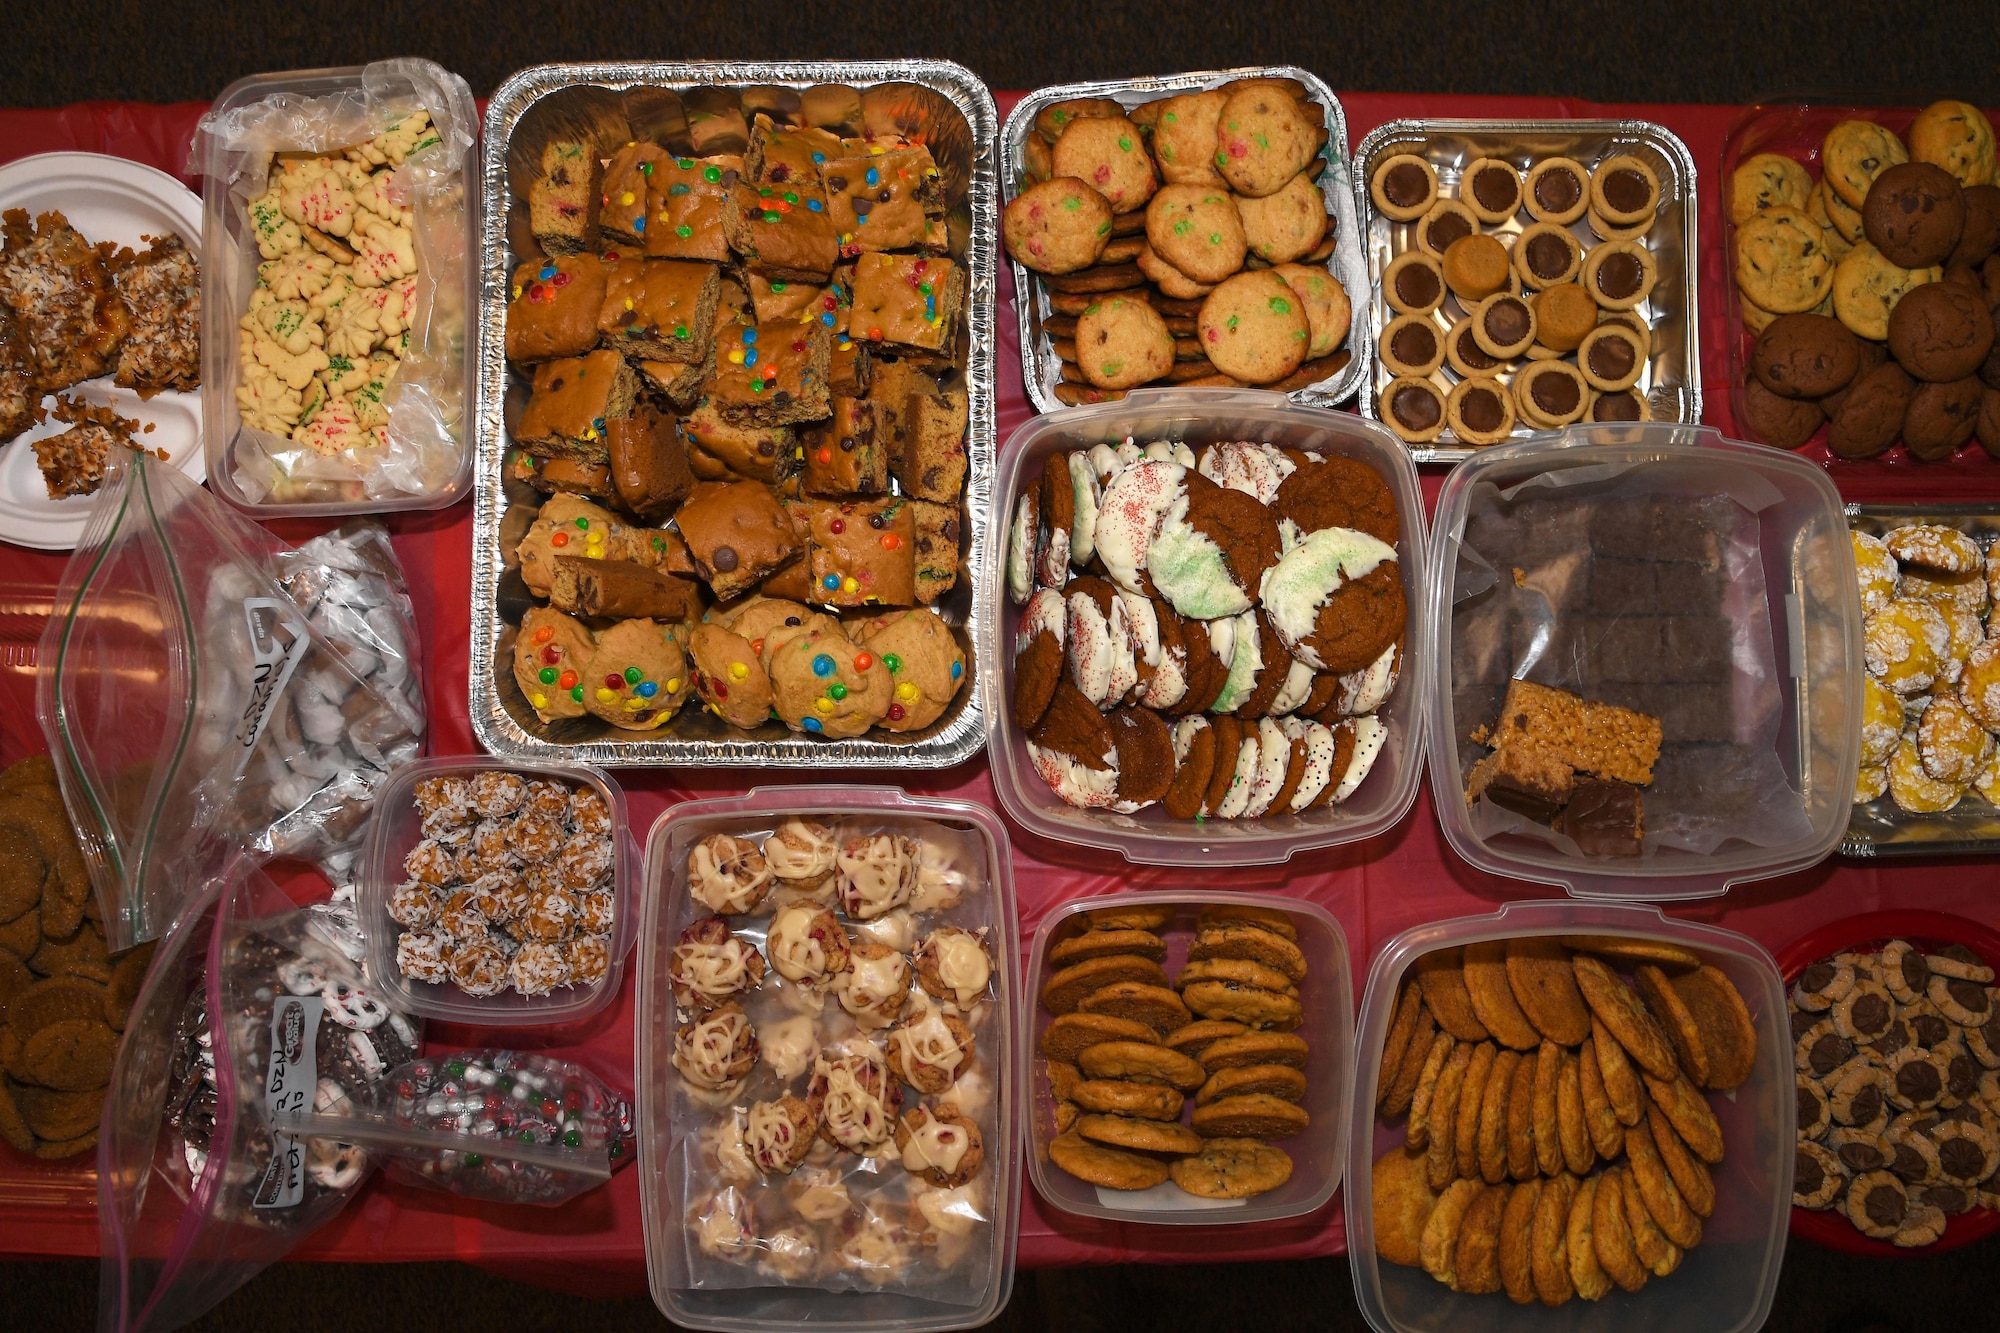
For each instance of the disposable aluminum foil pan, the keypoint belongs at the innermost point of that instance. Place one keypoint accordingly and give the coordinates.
(1671, 381)
(1042, 369)
(1880, 827)
(953, 110)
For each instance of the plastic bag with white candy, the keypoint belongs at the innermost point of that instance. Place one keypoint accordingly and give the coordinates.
(245, 1015)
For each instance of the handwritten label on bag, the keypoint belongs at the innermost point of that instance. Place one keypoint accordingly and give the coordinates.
(288, 1091)
(278, 640)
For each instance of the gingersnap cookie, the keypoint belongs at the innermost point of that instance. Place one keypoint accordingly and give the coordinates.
(1854, 153)
(1496, 1099)
(1477, 1262)
(1867, 286)
(1446, 1109)
(1607, 1131)
(1765, 180)
(1157, 1007)
(1517, 1223)
(1444, 222)
(1403, 186)
(1727, 1033)
(1286, 225)
(1550, 394)
(1058, 226)
(1675, 1020)
(1141, 1062)
(1198, 230)
(1401, 1201)
(1107, 154)
(1475, 267)
(1546, 1082)
(1782, 262)
(1689, 1113)
(1545, 988)
(1253, 1048)
(1122, 343)
(1490, 189)
(1557, 191)
(1441, 973)
(1413, 284)
(1548, 1250)
(1194, 744)
(1611, 1232)
(1573, 1136)
(1546, 256)
(1038, 660)
(1253, 329)
(1492, 996)
(1112, 1168)
(1623, 1015)
(1065, 990)
(1329, 313)
(1437, 1247)
(1522, 1150)
(1396, 1043)
(1632, 952)
(1587, 1277)
(1263, 139)
(1424, 1091)
(1071, 1034)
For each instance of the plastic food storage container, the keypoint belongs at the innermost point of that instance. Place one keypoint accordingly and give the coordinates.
(672, 1124)
(396, 827)
(1797, 130)
(1829, 1227)
(1758, 760)
(1200, 417)
(1726, 1283)
(1318, 1155)
(441, 368)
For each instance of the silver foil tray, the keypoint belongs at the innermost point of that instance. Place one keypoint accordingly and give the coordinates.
(952, 108)
(1042, 369)
(1671, 382)
(1881, 828)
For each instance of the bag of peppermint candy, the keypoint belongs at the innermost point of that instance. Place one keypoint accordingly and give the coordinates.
(248, 1015)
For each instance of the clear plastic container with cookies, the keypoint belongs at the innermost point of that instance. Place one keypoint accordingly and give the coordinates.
(1526, 275)
(1233, 1010)
(1930, 763)
(1566, 1113)
(499, 892)
(1202, 223)
(338, 353)
(1199, 624)
(827, 1064)
(736, 413)
(1837, 218)
(1647, 680)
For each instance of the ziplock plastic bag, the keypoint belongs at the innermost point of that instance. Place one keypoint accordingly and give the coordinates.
(509, 1126)
(244, 1015)
(424, 444)
(1642, 586)
(204, 687)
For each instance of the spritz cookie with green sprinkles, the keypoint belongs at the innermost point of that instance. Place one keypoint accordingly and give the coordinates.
(1122, 342)
(1059, 226)
(1197, 229)
(638, 677)
(825, 684)
(1263, 139)
(1107, 154)
(1254, 327)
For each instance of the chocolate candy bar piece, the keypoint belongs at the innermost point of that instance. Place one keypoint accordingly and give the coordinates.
(1523, 779)
(1604, 819)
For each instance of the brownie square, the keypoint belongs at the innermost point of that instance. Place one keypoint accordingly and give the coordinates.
(627, 191)
(1622, 586)
(1627, 649)
(1696, 649)
(1687, 589)
(938, 529)
(686, 203)
(847, 455)
(572, 405)
(660, 309)
(863, 552)
(884, 200)
(649, 462)
(932, 463)
(564, 201)
(736, 534)
(772, 374)
(907, 301)
(554, 306)
(780, 233)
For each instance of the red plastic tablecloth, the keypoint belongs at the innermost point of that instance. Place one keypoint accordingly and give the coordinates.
(1376, 888)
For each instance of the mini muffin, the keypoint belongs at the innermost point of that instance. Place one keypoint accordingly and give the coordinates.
(1475, 267)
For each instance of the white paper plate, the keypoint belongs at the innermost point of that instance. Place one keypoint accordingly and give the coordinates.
(107, 199)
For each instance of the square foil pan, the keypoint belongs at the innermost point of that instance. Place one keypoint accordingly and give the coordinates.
(1671, 383)
(1880, 828)
(1042, 369)
(955, 110)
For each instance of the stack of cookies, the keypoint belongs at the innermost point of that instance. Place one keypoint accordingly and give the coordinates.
(1528, 1068)
(1538, 329)
(1183, 242)
(1211, 633)
(1871, 293)
(1128, 1048)
(1898, 1088)
(1930, 701)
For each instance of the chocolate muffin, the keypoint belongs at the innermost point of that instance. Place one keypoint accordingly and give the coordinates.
(1942, 417)
(1980, 236)
(1871, 411)
(1806, 356)
(1914, 213)
(1940, 332)
(1988, 429)
(1786, 423)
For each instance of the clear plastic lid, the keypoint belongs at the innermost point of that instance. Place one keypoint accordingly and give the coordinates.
(1723, 1285)
(671, 1127)
(397, 826)
(1199, 417)
(1570, 560)
(1318, 1155)
(428, 463)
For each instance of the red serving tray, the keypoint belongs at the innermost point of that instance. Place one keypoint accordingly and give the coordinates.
(1832, 1229)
